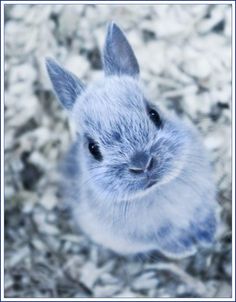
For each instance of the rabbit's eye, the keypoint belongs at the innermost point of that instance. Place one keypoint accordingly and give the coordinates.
(94, 150)
(155, 117)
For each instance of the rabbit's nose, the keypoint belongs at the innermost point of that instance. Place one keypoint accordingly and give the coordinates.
(140, 163)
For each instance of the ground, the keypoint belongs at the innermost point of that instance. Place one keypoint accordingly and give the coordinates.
(185, 58)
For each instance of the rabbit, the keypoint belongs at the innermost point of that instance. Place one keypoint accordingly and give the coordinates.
(137, 178)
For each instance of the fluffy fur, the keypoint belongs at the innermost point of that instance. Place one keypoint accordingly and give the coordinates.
(171, 207)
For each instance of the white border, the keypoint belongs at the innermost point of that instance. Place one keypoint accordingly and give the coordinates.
(233, 149)
(119, 2)
(2, 151)
(2, 148)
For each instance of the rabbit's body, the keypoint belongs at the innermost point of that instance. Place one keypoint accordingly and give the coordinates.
(162, 216)
(137, 178)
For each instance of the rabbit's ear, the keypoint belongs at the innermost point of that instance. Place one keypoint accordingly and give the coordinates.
(118, 56)
(66, 85)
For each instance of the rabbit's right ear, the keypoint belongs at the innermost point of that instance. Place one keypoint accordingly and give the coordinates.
(66, 85)
(118, 56)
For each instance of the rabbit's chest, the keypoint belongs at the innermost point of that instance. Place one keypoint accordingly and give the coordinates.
(125, 229)
(133, 227)
(120, 234)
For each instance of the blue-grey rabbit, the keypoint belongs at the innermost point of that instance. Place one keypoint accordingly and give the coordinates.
(137, 178)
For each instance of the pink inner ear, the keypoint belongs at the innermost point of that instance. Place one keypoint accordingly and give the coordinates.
(65, 84)
(118, 56)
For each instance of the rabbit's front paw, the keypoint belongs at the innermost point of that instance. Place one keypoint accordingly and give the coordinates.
(204, 229)
(175, 243)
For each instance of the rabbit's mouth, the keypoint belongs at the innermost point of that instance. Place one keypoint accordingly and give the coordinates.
(151, 183)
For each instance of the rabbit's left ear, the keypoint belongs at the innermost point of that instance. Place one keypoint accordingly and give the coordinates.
(66, 85)
(118, 56)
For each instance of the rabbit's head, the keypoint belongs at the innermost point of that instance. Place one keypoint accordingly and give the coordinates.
(128, 145)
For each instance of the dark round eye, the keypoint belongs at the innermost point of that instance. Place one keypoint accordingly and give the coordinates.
(94, 150)
(155, 117)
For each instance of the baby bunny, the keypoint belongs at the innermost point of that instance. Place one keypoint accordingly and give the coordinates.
(137, 179)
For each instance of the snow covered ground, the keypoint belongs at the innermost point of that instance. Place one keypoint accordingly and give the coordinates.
(184, 53)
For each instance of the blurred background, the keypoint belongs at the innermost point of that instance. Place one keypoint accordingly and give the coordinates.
(184, 53)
